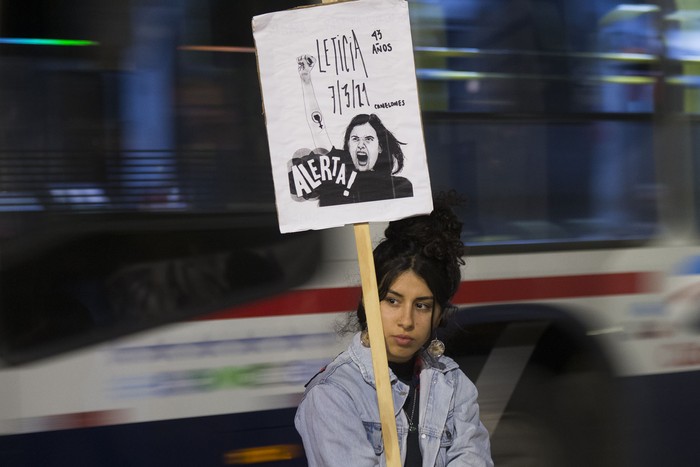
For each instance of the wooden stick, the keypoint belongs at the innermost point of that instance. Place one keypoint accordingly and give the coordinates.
(370, 298)
(380, 365)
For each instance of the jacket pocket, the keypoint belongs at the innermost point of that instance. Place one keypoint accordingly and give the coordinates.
(374, 436)
(446, 440)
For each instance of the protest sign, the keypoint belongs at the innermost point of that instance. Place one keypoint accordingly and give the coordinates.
(342, 114)
(345, 135)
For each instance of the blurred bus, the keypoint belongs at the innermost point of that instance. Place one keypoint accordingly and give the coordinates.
(151, 313)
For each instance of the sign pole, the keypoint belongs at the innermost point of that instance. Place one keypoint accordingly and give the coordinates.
(363, 49)
(370, 297)
(380, 364)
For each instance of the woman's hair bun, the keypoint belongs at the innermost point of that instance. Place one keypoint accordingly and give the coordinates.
(437, 235)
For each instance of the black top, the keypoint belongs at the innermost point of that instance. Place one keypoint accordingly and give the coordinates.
(408, 374)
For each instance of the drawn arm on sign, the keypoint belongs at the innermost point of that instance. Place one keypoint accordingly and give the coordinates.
(314, 117)
(324, 173)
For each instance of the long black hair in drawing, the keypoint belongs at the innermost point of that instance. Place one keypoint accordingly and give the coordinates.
(430, 246)
(391, 147)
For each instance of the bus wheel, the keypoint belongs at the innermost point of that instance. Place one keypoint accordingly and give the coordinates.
(555, 420)
(521, 440)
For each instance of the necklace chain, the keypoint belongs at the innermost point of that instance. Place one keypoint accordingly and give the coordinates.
(411, 427)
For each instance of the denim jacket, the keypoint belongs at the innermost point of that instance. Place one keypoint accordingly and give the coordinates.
(338, 417)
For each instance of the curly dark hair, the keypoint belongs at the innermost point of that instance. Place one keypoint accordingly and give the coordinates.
(429, 245)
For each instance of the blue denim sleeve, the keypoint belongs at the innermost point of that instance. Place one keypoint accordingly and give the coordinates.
(471, 446)
(332, 430)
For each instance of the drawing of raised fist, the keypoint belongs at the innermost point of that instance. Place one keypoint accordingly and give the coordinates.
(305, 64)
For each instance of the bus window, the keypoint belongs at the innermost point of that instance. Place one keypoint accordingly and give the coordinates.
(540, 115)
(135, 175)
(547, 182)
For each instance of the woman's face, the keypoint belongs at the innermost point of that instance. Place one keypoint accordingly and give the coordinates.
(407, 311)
(363, 146)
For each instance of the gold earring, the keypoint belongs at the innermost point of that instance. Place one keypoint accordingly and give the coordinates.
(436, 348)
(364, 338)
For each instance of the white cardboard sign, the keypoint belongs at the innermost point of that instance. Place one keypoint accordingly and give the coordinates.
(342, 113)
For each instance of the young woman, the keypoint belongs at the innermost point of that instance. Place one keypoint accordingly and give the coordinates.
(437, 415)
